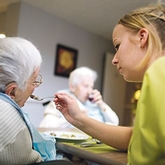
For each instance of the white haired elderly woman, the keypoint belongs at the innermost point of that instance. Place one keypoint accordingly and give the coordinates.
(81, 86)
(19, 75)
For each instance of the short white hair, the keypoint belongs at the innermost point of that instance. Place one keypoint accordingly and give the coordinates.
(19, 58)
(78, 74)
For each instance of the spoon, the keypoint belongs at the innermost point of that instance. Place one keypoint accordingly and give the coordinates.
(40, 99)
(90, 143)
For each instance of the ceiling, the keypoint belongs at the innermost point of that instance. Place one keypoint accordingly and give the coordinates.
(96, 16)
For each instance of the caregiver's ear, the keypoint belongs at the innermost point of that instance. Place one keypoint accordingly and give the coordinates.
(143, 37)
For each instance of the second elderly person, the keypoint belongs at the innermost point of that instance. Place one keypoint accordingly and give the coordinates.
(81, 86)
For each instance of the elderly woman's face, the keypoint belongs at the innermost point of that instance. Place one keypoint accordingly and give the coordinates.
(83, 89)
(22, 96)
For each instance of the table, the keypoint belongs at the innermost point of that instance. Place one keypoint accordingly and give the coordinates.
(101, 154)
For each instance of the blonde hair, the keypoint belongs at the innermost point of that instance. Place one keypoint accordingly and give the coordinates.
(151, 17)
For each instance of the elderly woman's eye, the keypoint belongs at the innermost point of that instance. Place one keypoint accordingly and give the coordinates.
(117, 47)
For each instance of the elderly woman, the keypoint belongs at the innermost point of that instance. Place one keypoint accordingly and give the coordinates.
(81, 86)
(19, 75)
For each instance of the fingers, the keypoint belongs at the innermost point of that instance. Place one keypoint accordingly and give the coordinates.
(60, 99)
(59, 94)
(96, 95)
(60, 103)
(59, 107)
(63, 100)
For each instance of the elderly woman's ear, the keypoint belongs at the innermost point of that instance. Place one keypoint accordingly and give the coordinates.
(10, 90)
(72, 88)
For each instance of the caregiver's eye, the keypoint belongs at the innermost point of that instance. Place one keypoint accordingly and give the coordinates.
(117, 47)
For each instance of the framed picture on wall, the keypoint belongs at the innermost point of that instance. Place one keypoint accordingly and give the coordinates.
(66, 60)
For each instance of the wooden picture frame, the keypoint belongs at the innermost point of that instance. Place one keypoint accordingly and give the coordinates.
(66, 60)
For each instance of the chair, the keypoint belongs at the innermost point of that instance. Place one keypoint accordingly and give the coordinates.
(55, 162)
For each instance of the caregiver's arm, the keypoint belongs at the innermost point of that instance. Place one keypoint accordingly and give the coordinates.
(115, 136)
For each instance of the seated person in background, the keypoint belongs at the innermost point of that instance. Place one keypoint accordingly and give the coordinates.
(81, 83)
(19, 75)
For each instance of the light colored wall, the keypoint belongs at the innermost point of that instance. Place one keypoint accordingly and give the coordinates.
(12, 20)
(114, 88)
(2, 22)
(46, 31)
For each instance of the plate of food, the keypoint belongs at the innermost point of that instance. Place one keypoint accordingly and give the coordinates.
(67, 135)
